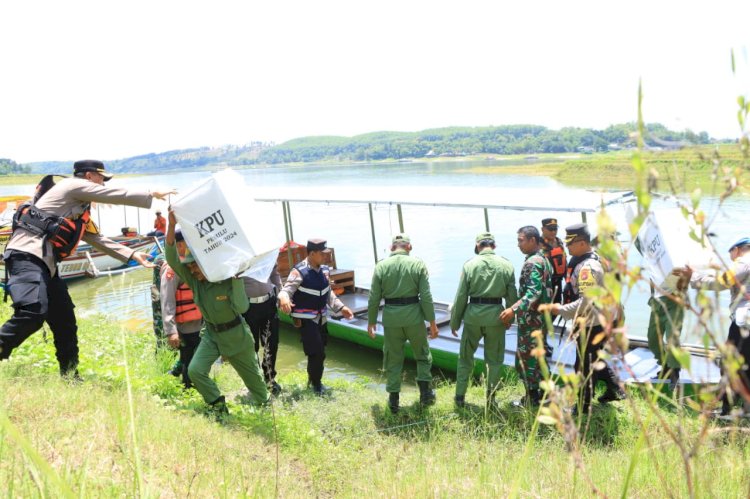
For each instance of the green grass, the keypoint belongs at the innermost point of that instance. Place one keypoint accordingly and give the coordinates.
(80, 437)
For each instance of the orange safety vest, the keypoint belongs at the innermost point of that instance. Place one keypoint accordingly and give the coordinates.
(557, 259)
(186, 310)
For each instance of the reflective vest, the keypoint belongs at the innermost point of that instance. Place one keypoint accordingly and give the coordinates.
(311, 298)
(556, 257)
(186, 309)
(570, 293)
(63, 233)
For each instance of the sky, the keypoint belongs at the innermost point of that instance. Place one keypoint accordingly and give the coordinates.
(108, 80)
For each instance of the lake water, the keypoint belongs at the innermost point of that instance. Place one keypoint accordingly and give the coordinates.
(442, 237)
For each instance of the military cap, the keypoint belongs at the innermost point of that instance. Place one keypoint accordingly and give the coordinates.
(401, 238)
(549, 223)
(484, 236)
(91, 165)
(745, 241)
(577, 232)
(318, 245)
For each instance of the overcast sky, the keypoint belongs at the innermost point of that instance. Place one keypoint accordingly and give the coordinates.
(107, 80)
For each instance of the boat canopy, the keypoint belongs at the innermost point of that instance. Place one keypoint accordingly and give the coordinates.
(506, 199)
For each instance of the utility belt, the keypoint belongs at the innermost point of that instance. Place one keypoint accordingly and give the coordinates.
(408, 300)
(262, 299)
(477, 300)
(220, 328)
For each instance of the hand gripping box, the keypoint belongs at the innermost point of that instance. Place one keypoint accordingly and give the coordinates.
(228, 232)
(665, 243)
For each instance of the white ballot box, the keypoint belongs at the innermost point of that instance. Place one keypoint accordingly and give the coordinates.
(226, 230)
(665, 243)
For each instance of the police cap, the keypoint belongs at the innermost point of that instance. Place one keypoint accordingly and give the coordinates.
(549, 223)
(317, 245)
(91, 165)
(577, 232)
(401, 238)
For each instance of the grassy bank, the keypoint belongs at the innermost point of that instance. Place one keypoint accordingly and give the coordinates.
(128, 429)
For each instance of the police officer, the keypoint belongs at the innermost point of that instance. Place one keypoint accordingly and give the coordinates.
(263, 319)
(402, 280)
(309, 285)
(485, 281)
(535, 288)
(554, 250)
(181, 318)
(585, 271)
(737, 279)
(225, 332)
(45, 232)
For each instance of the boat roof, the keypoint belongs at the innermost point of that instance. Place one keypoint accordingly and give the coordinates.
(522, 199)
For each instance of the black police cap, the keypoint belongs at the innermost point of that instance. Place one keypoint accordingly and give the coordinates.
(577, 231)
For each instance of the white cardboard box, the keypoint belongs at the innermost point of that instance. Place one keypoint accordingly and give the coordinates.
(226, 230)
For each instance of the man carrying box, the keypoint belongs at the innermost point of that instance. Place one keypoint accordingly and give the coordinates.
(225, 332)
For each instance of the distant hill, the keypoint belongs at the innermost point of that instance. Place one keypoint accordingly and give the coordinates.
(182, 159)
(450, 141)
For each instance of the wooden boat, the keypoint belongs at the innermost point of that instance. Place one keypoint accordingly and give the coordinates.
(637, 366)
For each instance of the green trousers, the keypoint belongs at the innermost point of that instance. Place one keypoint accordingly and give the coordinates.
(394, 343)
(664, 327)
(243, 360)
(494, 352)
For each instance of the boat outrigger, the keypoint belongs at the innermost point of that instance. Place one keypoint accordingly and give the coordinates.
(637, 366)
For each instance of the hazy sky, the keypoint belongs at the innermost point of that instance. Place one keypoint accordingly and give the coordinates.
(108, 80)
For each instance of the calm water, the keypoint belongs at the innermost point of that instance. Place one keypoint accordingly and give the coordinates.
(442, 237)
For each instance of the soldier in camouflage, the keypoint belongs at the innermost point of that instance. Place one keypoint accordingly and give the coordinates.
(535, 288)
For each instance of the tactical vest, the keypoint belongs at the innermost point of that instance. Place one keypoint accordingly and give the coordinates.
(570, 293)
(311, 298)
(556, 257)
(186, 310)
(63, 234)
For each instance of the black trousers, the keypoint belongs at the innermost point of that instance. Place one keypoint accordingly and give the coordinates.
(188, 344)
(586, 355)
(263, 320)
(39, 297)
(743, 347)
(314, 339)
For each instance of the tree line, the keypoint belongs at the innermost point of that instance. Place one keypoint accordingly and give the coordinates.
(450, 141)
(10, 167)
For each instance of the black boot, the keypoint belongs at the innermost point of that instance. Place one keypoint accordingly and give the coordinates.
(393, 402)
(218, 409)
(426, 394)
(613, 394)
(460, 401)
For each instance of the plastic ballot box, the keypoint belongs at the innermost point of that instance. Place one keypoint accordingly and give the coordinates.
(228, 232)
(664, 241)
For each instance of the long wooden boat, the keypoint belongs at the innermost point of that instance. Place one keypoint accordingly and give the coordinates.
(638, 365)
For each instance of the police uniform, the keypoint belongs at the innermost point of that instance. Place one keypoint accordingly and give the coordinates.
(403, 282)
(737, 279)
(181, 316)
(224, 332)
(310, 289)
(586, 272)
(486, 280)
(37, 291)
(263, 319)
(535, 288)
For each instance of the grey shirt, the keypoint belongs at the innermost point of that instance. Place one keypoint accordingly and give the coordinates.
(68, 198)
(736, 279)
(256, 289)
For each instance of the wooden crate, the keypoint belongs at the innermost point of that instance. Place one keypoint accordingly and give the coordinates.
(298, 252)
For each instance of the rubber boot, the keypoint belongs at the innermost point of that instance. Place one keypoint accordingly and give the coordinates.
(460, 401)
(393, 402)
(426, 394)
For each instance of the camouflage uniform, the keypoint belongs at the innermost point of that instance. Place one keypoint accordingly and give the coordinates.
(535, 287)
(156, 300)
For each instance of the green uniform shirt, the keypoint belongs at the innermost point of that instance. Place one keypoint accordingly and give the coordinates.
(401, 276)
(487, 275)
(219, 302)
